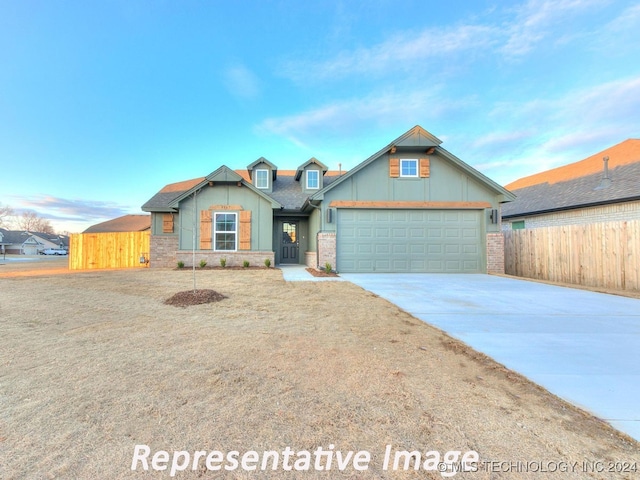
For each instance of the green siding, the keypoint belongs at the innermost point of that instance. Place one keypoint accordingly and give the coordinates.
(261, 214)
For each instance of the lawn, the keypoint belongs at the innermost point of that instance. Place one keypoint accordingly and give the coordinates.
(94, 364)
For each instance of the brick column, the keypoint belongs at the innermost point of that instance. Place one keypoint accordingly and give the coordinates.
(163, 251)
(495, 252)
(327, 249)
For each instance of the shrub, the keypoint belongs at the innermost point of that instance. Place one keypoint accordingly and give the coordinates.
(327, 267)
(180, 264)
(245, 264)
(267, 263)
(223, 262)
(203, 263)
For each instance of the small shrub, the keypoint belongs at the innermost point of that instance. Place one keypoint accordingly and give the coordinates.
(180, 264)
(203, 263)
(245, 264)
(327, 267)
(223, 262)
(267, 263)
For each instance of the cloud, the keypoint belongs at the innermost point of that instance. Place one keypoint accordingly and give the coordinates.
(535, 21)
(381, 108)
(55, 208)
(241, 82)
(398, 53)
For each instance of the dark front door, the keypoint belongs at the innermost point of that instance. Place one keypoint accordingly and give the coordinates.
(289, 243)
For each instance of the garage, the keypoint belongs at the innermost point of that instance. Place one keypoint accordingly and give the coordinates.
(416, 241)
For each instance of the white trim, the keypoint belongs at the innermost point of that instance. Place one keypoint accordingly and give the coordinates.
(260, 170)
(215, 231)
(414, 160)
(317, 172)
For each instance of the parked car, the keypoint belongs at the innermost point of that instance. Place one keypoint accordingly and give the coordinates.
(53, 251)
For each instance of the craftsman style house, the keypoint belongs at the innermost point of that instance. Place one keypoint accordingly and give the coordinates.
(410, 207)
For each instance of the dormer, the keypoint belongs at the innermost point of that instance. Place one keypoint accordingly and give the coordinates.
(310, 175)
(262, 174)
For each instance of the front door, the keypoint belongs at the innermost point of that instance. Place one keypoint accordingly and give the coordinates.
(289, 243)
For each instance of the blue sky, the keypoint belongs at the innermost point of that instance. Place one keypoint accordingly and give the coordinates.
(102, 103)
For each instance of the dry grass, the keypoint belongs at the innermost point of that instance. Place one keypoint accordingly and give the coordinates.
(95, 363)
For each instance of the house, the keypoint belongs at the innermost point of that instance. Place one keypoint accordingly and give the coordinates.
(602, 187)
(30, 243)
(126, 223)
(410, 207)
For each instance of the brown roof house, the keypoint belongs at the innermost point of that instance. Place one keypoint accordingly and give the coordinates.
(410, 207)
(602, 187)
(126, 223)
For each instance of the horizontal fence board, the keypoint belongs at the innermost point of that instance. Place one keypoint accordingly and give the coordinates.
(108, 250)
(603, 255)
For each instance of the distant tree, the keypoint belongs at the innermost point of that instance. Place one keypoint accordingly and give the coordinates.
(31, 222)
(6, 212)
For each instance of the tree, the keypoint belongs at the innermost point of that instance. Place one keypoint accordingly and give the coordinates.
(5, 212)
(31, 222)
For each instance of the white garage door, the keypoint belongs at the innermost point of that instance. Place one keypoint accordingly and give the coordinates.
(431, 241)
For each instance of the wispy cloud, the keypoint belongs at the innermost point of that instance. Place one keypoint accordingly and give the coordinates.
(241, 82)
(56, 208)
(535, 21)
(381, 108)
(398, 53)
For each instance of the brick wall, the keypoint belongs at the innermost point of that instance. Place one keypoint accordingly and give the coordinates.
(495, 253)
(327, 249)
(233, 259)
(163, 251)
(311, 259)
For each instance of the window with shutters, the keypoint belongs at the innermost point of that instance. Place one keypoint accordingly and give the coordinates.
(409, 167)
(225, 231)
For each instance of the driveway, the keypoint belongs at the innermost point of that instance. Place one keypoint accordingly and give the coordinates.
(582, 346)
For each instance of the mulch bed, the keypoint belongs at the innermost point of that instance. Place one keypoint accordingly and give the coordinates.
(320, 273)
(194, 297)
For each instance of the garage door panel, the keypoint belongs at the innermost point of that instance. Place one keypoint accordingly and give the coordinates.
(409, 241)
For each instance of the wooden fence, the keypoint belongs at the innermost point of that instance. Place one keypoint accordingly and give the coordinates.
(596, 255)
(108, 250)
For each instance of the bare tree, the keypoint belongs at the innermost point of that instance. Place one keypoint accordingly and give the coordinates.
(31, 222)
(5, 212)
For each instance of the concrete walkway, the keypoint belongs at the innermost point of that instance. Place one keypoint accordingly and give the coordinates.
(580, 345)
(298, 273)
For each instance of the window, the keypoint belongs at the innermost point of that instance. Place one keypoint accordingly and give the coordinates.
(313, 179)
(225, 231)
(409, 167)
(262, 178)
(518, 225)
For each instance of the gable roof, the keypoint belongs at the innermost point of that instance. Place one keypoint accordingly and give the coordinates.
(311, 161)
(419, 137)
(18, 237)
(580, 184)
(251, 166)
(126, 223)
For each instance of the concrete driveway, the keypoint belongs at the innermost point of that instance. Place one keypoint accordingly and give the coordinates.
(582, 346)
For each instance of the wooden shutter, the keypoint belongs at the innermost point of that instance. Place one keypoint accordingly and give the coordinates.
(394, 167)
(167, 223)
(245, 230)
(205, 229)
(424, 167)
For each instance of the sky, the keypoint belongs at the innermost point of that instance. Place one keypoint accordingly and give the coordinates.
(102, 103)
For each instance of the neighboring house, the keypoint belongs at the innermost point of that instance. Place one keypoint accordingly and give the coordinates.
(602, 187)
(410, 207)
(126, 223)
(30, 243)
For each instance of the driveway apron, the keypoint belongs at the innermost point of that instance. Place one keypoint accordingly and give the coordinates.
(582, 346)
